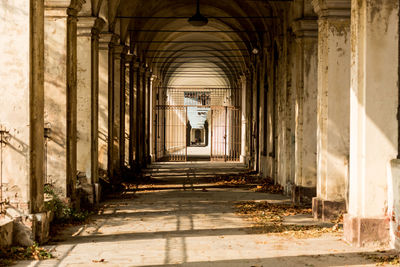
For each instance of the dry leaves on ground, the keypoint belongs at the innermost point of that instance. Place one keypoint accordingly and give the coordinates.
(264, 185)
(267, 185)
(383, 257)
(9, 255)
(269, 218)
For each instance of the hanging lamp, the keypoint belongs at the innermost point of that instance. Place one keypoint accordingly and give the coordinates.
(198, 19)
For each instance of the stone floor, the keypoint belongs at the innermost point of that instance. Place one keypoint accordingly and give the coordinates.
(170, 226)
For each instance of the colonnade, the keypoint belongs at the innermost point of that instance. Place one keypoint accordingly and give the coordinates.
(319, 107)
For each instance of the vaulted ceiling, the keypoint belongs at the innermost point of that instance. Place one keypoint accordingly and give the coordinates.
(214, 54)
(184, 54)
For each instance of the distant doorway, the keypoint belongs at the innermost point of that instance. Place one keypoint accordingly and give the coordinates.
(196, 125)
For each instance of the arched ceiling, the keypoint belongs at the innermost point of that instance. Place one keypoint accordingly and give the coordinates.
(185, 55)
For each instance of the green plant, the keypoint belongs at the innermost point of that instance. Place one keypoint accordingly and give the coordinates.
(62, 212)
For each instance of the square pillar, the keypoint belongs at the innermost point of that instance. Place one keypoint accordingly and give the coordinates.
(132, 112)
(88, 49)
(140, 116)
(87, 102)
(153, 135)
(244, 120)
(374, 101)
(143, 115)
(22, 102)
(127, 111)
(138, 82)
(122, 103)
(22, 112)
(118, 91)
(104, 42)
(111, 79)
(55, 95)
(306, 110)
(147, 116)
(72, 20)
(333, 133)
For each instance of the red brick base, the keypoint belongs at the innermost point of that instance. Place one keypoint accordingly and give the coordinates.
(366, 231)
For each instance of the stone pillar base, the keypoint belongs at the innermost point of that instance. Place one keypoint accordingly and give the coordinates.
(303, 195)
(97, 193)
(326, 210)
(29, 228)
(41, 226)
(366, 231)
(243, 159)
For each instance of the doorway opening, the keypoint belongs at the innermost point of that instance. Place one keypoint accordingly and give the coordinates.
(197, 124)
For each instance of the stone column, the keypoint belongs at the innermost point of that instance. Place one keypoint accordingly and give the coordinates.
(22, 109)
(127, 117)
(244, 106)
(55, 95)
(153, 134)
(374, 100)
(137, 85)
(105, 39)
(333, 108)
(122, 104)
(76, 5)
(111, 78)
(132, 114)
(147, 117)
(117, 111)
(140, 115)
(87, 101)
(306, 104)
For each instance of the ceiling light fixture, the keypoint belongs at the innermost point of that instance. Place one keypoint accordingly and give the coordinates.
(198, 19)
(255, 51)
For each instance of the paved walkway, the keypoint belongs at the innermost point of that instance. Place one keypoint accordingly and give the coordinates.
(196, 227)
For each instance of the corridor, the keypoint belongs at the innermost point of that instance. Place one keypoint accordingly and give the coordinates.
(192, 222)
(304, 94)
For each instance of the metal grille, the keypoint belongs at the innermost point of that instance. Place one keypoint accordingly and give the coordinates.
(171, 124)
(225, 134)
(181, 112)
(175, 96)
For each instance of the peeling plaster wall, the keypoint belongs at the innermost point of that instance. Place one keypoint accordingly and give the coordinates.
(84, 104)
(333, 110)
(14, 99)
(374, 102)
(373, 109)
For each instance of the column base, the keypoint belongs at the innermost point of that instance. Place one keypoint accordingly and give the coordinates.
(97, 193)
(326, 210)
(89, 195)
(29, 228)
(366, 231)
(303, 195)
(6, 232)
(243, 159)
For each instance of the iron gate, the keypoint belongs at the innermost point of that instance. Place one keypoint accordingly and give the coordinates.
(225, 134)
(173, 118)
